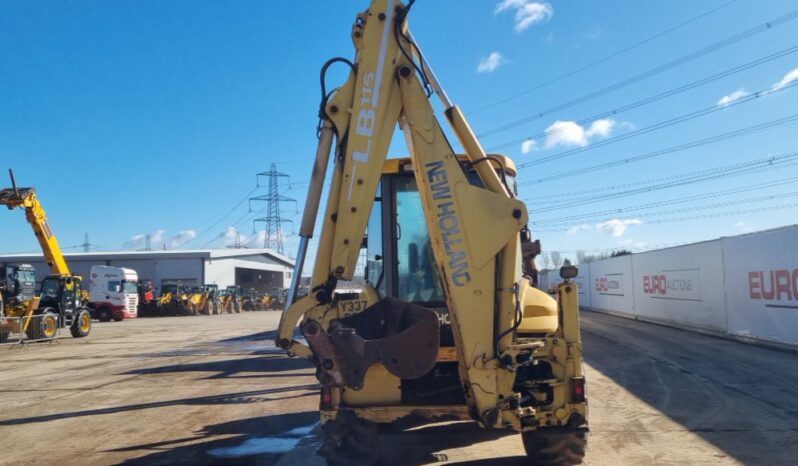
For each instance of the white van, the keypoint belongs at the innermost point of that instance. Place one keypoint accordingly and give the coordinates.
(113, 293)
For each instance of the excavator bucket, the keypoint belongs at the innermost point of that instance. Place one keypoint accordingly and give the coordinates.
(402, 336)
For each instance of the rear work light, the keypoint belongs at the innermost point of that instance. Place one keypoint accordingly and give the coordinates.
(326, 398)
(578, 390)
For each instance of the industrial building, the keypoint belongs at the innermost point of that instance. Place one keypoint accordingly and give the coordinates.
(262, 269)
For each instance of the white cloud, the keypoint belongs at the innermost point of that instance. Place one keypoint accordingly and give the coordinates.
(615, 227)
(491, 62)
(786, 80)
(565, 133)
(744, 227)
(571, 133)
(232, 237)
(527, 12)
(577, 228)
(181, 238)
(736, 95)
(601, 128)
(157, 240)
(528, 146)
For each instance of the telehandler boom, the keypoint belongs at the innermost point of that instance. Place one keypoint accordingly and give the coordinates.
(446, 325)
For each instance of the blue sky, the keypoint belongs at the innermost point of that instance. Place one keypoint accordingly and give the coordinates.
(148, 117)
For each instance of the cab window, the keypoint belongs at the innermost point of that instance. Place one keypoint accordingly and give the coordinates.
(50, 289)
(375, 274)
(417, 277)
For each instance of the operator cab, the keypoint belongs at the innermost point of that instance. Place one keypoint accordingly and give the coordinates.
(400, 264)
(411, 275)
(61, 293)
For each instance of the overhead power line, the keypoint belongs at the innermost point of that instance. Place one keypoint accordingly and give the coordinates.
(701, 217)
(603, 59)
(758, 128)
(220, 219)
(735, 168)
(678, 200)
(660, 125)
(649, 100)
(759, 165)
(781, 20)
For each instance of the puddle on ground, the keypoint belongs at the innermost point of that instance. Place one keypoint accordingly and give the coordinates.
(260, 445)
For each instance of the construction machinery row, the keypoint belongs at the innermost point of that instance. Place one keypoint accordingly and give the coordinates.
(178, 300)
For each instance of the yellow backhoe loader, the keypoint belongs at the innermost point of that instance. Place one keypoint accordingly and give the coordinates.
(447, 325)
(197, 301)
(62, 300)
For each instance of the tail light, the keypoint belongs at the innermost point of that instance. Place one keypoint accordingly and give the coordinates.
(326, 398)
(578, 390)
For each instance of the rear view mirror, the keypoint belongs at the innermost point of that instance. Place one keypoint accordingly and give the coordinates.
(568, 272)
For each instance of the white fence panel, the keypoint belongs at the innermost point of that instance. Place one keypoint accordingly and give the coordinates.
(543, 280)
(762, 285)
(683, 285)
(611, 287)
(583, 283)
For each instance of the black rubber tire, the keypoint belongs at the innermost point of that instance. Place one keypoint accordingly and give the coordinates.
(118, 318)
(349, 441)
(558, 447)
(38, 328)
(104, 314)
(82, 325)
(4, 336)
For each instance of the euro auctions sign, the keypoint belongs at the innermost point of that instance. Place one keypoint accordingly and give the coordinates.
(774, 285)
(610, 284)
(674, 284)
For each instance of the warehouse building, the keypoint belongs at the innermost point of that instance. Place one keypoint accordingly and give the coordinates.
(262, 269)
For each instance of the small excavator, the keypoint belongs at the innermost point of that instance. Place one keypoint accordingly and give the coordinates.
(447, 325)
(62, 301)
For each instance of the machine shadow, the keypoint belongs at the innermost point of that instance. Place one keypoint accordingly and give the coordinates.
(691, 389)
(207, 449)
(266, 366)
(251, 396)
(421, 444)
(259, 336)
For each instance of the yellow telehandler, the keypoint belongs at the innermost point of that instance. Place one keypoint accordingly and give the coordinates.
(446, 325)
(62, 300)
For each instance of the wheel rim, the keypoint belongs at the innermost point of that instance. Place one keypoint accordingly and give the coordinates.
(49, 327)
(85, 322)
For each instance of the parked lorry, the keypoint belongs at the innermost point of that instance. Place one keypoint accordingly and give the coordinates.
(113, 293)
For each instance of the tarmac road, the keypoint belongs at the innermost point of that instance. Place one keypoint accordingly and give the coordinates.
(214, 390)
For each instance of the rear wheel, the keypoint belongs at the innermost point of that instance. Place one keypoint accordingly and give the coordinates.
(42, 326)
(558, 447)
(104, 314)
(82, 325)
(349, 441)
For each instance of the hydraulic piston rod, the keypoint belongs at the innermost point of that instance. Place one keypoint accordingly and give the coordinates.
(311, 206)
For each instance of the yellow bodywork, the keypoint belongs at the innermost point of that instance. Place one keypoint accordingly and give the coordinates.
(475, 233)
(25, 198)
(34, 212)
